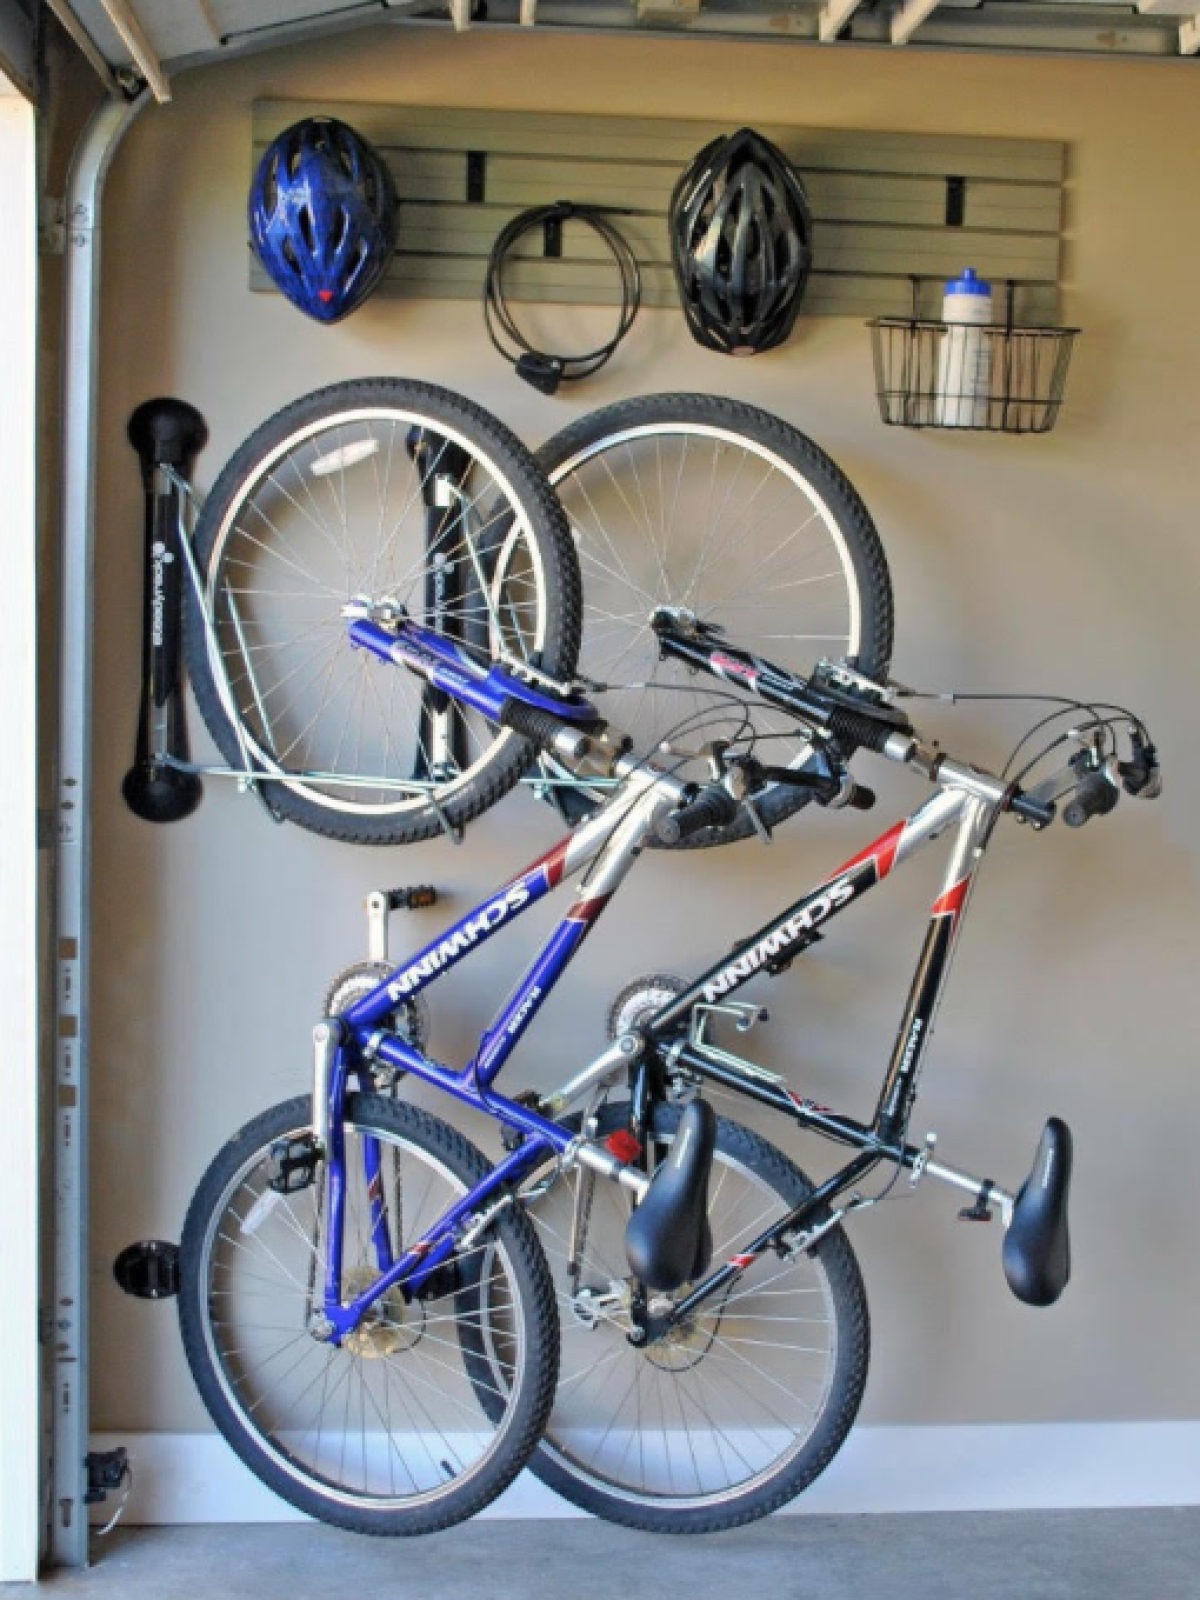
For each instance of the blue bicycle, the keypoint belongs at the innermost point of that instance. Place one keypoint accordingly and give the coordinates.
(373, 1312)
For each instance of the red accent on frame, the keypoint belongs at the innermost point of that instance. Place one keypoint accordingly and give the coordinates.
(951, 903)
(588, 910)
(728, 667)
(882, 852)
(554, 861)
(742, 1261)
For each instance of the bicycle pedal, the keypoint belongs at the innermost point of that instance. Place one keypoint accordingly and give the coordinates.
(293, 1164)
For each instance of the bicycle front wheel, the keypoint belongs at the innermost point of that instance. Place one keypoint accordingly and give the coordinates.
(395, 1431)
(738, 1409)
(696, 501)
(404, 496)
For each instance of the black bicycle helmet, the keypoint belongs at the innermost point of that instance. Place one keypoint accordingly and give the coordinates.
(323, 216)
(741, 243)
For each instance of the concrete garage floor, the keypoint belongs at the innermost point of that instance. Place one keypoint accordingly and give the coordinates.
(1036, 1555)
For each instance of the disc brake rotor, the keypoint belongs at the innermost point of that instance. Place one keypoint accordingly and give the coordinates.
(684, 1346)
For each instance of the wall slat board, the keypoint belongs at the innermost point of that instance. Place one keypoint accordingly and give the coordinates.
(885, 206)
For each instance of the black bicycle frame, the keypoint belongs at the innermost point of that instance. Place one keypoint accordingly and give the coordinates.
(672, 1036)
(966, 801)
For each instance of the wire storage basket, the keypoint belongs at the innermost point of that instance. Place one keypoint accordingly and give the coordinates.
(991, 377)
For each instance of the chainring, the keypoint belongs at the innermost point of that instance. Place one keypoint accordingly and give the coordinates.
(638, 1001)
(410, 1018)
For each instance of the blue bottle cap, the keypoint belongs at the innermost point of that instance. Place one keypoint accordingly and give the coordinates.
(969, 283)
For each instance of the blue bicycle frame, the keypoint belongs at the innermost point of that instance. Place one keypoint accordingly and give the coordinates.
(967, 801)
(362, 1035)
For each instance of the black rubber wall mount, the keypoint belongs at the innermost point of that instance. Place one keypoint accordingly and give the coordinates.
(165, 433)
(149, 1269)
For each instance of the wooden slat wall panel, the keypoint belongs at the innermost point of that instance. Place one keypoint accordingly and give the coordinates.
(879, 200)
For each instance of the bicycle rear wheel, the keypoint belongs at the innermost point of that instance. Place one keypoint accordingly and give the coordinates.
(395, 1431)
(735, 1413)
(396, 492)
(697, 501)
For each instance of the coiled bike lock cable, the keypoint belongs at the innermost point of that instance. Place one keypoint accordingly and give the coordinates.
(544, 370)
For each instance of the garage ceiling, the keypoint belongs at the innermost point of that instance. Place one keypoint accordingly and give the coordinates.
(155, 37)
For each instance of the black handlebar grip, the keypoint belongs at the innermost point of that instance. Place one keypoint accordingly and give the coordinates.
(1094, 796)
(859, 730)
(713, 807)
(543, 727)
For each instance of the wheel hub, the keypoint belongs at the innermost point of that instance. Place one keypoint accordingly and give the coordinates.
(680, 1346)
(391, 1325)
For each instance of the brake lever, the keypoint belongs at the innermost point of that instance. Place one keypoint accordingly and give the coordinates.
(1142, 774)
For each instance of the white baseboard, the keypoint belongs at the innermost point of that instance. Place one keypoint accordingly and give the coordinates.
(195, 1477)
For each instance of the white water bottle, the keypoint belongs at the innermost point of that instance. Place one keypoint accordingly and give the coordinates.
(964, 377)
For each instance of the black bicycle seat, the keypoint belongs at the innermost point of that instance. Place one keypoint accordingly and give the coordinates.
(668, 1241)
(1037, 1248)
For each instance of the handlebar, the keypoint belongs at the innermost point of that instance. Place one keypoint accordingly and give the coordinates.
(849, 712)
(713, 807)
(1094, 795)
(548, 730)
(1030, 808)
(845, 710)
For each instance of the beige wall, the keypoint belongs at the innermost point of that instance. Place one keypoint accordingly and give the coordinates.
(1068, 563)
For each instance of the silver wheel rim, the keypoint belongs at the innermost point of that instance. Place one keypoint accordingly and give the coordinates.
(390, 1424)
(345, 715)
(629, 499)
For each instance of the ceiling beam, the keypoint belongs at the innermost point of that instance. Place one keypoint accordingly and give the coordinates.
(204, 11)
(668, 11)
(135, 39)
(909, 18)
(85, 44)
(1189, 23)
(833, 17)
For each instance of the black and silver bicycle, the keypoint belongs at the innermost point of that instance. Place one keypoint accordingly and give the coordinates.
(714, 1324)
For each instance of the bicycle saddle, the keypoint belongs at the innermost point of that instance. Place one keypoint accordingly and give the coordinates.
(1037, 1249)
(668, 1241)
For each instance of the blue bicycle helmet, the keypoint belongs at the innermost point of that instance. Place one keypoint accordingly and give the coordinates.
(323, 216)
